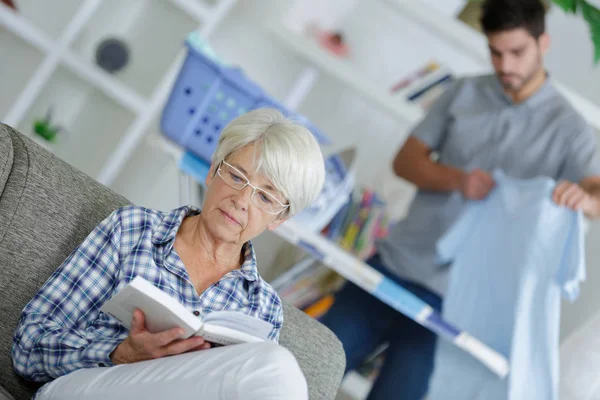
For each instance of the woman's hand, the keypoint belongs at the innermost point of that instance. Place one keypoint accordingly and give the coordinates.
(142, 345)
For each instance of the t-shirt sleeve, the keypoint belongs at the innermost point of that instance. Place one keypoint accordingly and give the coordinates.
(571, 271)
(582, 159)
(449, 245)
(432, 128)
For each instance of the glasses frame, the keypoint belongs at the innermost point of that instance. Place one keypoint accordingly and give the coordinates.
(254, 189)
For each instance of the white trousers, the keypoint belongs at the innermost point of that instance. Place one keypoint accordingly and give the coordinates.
(250, 371)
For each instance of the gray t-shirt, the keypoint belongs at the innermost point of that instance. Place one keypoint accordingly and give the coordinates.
(474, 124)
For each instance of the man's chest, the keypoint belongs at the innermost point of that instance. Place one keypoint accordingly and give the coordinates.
(524, 143)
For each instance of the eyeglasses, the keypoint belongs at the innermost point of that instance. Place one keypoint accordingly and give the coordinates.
(260, 197)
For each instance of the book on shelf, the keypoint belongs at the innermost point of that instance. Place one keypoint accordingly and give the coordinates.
(425, 85)
(314, 282)
(308, 284)
(426, 95)
(320, 307)
(163, 312)
(339, 182)
(415, 76)
(359, 223)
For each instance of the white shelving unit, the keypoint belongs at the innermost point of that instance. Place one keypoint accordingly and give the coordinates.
(347, 74)
(52, 66)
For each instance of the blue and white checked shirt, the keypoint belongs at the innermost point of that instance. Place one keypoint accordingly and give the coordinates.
(61, 328)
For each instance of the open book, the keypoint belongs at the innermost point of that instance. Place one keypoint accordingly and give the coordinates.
(162, 312)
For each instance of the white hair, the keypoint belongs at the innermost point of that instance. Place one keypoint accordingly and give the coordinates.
(287, 154)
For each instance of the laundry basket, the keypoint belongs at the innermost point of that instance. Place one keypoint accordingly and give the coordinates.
(207, 95)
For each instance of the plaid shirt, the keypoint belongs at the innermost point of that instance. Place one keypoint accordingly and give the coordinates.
(61, 328)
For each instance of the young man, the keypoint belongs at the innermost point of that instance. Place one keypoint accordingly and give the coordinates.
(514, 120)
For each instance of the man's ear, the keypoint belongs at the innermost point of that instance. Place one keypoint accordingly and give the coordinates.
(544, 42)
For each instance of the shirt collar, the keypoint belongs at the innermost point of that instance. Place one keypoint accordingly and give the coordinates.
(249, 267)
(166, 230)
(545, 92)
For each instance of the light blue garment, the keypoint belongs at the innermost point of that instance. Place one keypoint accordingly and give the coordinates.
(513, 255)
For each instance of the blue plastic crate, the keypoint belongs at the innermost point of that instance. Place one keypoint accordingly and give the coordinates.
(207, 95)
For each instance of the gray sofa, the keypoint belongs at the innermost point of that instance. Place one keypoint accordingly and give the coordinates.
(46, 209)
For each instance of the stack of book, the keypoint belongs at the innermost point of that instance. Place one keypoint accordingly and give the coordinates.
(359, 223)
(309, 285)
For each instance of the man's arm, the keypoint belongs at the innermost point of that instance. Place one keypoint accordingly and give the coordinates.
(413, 163)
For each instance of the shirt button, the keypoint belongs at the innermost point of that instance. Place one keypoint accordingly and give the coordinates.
(196, 313)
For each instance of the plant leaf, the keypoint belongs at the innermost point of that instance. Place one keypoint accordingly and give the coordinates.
(567, 5)
(592, 16)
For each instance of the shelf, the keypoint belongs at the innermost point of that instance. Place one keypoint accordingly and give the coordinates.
(197, 9)
(16, 69)
(47, 15)
(348, 74)
(92, 121)
(148, 28)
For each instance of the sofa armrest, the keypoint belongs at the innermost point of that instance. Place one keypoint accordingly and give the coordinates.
(318, 351)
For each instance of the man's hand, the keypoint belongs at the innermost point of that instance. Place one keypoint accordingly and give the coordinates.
(476, 185)
(573, 196)
(142, 345)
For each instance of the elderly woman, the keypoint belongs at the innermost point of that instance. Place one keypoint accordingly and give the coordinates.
(264, 170)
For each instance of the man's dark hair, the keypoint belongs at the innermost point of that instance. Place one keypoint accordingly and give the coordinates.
(505, 15)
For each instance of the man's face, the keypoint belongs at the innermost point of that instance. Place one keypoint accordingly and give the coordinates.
(517, 56)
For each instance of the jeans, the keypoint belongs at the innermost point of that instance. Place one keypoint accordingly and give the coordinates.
(362, 322)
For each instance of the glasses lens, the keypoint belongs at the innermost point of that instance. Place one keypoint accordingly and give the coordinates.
(232, 177)
(266, 201)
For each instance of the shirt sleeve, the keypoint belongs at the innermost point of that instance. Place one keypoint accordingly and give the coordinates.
(449, 244)
(272, 311)
(572, 266)
(54, 336)
(277, 321)
(432, 128)
(582, 159)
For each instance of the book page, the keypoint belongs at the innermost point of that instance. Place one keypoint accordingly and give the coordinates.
(240, 322)
(226, 336)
